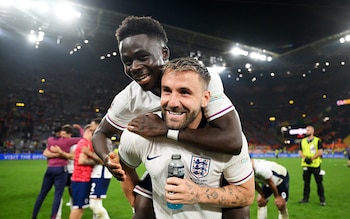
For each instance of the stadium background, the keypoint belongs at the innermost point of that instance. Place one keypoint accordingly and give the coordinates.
(62, 79)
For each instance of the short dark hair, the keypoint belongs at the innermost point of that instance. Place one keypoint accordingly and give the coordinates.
(67, 128)
(133, 25)
(188, 64)
(57, 129)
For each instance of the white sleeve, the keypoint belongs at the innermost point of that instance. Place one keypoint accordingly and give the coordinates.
(118, 114)
(219, 103)
(129, 103)
(262, 170)
(131, 147)
(239, 169)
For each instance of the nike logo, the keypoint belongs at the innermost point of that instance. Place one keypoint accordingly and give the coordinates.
(151, 158)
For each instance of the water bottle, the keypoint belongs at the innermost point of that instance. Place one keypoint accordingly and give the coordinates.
(176, 169)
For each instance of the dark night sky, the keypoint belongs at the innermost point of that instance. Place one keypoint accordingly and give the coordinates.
(276, 25)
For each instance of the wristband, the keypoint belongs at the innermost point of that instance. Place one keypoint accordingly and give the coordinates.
(173, 134)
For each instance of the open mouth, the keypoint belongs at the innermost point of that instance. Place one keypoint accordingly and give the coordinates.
(143, 79)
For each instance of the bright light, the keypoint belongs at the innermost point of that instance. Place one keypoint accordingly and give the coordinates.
(216, 69)
(299, 131)
(41, 36)
(239, 51)
(32, 36)
(20, 104)
(65, 12)
(5, 3)
(258, 56)
(24, 4)
(42, 6)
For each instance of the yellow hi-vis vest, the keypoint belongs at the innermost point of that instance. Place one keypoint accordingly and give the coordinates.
(309, 149)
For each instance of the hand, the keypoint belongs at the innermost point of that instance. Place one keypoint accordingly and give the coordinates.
(55, 149)
(261, 201)
(148, 125)
(114, 166)
(182, 191)
(280, 203)
(308, 160)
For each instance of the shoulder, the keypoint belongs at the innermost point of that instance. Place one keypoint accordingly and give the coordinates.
(128, 137)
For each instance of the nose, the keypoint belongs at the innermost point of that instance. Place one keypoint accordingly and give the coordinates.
(173, 100)
(135, 66)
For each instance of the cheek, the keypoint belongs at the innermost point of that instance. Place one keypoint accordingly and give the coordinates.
(163, 101)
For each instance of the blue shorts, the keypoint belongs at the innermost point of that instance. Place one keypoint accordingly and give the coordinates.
(144, 187)
(99, 187)
(283, 189)
(80, 194)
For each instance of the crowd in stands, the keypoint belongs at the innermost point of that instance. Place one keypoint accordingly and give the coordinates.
(77, 94)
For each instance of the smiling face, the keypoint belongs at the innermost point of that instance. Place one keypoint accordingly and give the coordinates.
(143, 58)
(182, 98)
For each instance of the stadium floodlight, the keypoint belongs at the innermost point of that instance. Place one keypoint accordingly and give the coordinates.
(32, 36)
(66, 12)
(42, 6)
(239, 51)
(24, 4)
(216, 69)
(40, 36)
(5, 3)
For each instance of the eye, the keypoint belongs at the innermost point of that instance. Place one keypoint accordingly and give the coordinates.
(127, 62)
(165, 90)
(185, 92)
(143, 57)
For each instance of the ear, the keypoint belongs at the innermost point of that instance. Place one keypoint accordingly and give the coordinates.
(166, 53)
(206, 98)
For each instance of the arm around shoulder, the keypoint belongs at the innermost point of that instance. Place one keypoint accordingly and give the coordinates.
(224, 135)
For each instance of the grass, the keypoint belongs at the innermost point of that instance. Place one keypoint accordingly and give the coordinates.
(20, 182)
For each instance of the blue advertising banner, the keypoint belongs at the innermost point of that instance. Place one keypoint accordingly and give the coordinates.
(22, 157)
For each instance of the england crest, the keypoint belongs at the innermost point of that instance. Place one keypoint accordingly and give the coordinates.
(200, 166)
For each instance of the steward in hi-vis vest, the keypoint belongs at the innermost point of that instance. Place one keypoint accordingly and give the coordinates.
(309, 148)
(311, 151)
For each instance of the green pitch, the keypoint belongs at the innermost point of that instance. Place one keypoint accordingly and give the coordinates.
(20, 183)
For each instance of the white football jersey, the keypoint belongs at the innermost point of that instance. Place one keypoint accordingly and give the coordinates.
(133, 101)
(264, 170)
(202, 167)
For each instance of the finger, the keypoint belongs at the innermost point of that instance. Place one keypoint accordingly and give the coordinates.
(130, 128)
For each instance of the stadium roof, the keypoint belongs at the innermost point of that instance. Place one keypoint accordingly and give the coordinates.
(295, 34)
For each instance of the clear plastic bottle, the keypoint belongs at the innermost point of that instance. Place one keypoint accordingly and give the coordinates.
(176, 169)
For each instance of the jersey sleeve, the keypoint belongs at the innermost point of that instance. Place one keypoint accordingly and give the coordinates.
(118, 114)
(219, 103)
(130, 149)
(129, 103)
(262, 170)
(239, 168)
